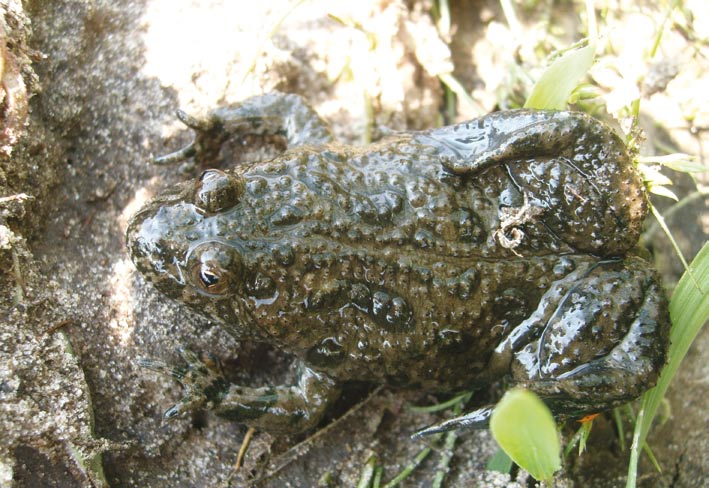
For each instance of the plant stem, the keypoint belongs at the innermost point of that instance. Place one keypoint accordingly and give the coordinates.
(423, 454)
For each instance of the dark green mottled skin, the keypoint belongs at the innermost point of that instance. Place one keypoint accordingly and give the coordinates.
(439, 260)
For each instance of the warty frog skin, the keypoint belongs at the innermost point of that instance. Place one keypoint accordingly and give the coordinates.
(441, 260)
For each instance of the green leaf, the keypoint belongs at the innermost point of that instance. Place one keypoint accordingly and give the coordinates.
(689, 311)
(684, 163)
(585, 433)
(556, 84)
(367, 474)
(584, 91)
(663, 191)
(619, 427)
(524, 427)
(580, 438)
(686, 166)
(663, 225)
(652, 175)
(500, 462)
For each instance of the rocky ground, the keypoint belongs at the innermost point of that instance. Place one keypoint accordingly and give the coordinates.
(88, 92)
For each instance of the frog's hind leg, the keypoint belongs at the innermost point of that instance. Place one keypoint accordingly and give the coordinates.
(596, 341)
(604, 344)
(280, 114)
(285, 409)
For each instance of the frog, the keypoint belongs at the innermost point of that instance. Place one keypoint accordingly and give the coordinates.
(500, 249)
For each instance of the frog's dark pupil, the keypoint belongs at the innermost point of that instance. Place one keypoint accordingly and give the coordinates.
(208, 278)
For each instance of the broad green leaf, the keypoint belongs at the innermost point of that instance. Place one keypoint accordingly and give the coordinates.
(686, 166)
(556, 84)
(525, 429)
(689, 311)
(499, 462)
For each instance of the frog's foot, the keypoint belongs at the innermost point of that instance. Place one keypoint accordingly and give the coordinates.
(202, 379)
(602, 345)
(284, 409)
(477, 419)
(281, 408)
(598, 339)
(276, 113)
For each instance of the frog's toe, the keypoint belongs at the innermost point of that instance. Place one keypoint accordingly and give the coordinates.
(178, 156)
(200, 376)
(199, 124)
(477, 419)
(188, 403)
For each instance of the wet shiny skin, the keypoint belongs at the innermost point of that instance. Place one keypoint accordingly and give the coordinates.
(441, 260)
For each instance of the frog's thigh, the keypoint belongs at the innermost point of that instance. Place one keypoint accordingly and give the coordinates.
(507, 136)
(282, 408)
(604, 344)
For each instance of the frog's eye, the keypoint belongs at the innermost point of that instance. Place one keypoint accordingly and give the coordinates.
(213, 268)
(216, 190)
(211, 278)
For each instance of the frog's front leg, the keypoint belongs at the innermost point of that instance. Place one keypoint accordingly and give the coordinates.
(576, 172)
(281, 409)
(597, 340)
(275, 113)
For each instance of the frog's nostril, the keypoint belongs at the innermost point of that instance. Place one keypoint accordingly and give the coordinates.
(140, 247)
(216, 190)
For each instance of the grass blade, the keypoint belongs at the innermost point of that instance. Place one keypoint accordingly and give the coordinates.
(689, 311)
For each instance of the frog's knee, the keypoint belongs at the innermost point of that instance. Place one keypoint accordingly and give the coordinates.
(606, 341)
(617, 308)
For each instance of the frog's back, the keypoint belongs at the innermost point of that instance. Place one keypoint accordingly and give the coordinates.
(394, 269)
(440, 259)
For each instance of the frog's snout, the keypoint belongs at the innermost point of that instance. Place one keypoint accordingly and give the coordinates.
(216, 190)
(146, 246)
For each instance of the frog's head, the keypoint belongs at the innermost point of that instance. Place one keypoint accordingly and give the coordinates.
(191, 242)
